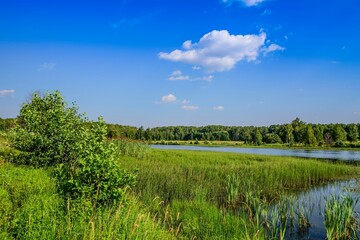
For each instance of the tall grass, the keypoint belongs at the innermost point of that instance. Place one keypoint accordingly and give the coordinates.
(136, 149)
(340, 220)
(207, 191)
(30, 208)
(176, 174)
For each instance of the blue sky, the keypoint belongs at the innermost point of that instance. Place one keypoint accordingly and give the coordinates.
(182, 62)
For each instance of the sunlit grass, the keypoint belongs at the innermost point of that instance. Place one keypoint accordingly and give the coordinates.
(30, 208)
(230, 185)
(340, 217)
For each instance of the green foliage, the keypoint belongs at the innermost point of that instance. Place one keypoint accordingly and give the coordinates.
(353, 132)
(29, 204)
(49, 132)
(31, 208)
(96, 175)
(339, 134)
(257, 137)
(310, 138)
(52, 134)
(340, 217)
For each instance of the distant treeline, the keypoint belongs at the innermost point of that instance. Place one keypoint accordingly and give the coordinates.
(296, 132)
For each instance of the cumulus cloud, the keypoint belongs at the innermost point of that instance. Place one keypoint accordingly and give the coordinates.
(220, 51)
(272, 48)
(177, 75)
(195, 68)
(46, 67)
(6, 92)
(219, 108)
(248, 3)
(168, 99)
(190, 107)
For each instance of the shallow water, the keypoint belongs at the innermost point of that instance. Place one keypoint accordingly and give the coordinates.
(321, 154)
(314, 201)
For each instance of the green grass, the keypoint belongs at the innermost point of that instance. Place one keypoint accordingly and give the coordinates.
(241, 144)
(226, 194)
(340, 217)
(179, 195)
(177, 174)
(30, 208)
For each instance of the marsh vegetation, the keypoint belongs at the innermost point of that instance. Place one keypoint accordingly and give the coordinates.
(61, 178)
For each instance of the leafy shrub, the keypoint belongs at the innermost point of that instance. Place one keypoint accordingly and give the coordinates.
(52, 134)
(49, 132)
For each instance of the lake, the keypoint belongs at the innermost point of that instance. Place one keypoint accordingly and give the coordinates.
(321, 154)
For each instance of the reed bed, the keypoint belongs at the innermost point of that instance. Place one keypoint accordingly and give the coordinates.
(136, 149)
(229, 196)
(340, 217)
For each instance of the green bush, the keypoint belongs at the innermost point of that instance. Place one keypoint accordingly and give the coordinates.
(50, 133)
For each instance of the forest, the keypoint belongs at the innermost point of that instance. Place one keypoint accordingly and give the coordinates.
(297, 132)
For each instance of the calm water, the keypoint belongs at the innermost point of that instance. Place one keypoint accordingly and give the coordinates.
(314, 202)
(325, 154)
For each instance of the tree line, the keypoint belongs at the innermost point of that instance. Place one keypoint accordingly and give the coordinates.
(294, 133)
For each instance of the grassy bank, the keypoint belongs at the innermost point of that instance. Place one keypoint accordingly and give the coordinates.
(241, 144)
(223, 195)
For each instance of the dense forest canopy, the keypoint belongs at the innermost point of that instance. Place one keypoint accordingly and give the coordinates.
(296, 132)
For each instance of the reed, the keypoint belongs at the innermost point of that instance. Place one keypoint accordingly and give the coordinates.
(340, 217)
(136, 149)
(206, 192)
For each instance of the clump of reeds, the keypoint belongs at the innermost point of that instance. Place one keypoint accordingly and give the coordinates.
(232, 189)
(132, 148)
(340, 217)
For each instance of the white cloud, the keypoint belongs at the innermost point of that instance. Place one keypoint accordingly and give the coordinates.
(220, 51)
(272, 48)
(168, 99)
(6, 92)
(208, 78)
(177, 75)
(46, 67)
(266, 12)
(190, 107)
(219, 108)
(248, 3)
(185, 101)
(195, 68)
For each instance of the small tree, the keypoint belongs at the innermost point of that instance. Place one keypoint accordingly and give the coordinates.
(52, 134)
(49, 132)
